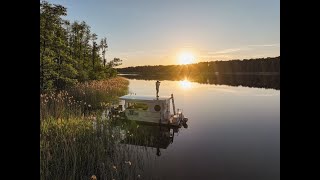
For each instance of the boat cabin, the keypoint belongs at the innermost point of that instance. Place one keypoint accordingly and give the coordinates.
(146, 108)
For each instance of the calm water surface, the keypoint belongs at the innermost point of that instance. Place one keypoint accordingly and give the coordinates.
(233, 133)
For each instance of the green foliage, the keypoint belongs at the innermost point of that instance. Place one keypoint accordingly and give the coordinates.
(69, 52)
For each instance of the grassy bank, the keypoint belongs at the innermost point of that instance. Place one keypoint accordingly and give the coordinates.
(82, 99)
(75, 143)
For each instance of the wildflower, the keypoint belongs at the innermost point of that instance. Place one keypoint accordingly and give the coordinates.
(114, 167)
(128, 162)
(93, 177)
(139, 176)
(112, 136)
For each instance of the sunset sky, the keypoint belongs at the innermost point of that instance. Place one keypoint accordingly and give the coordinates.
(162, 32)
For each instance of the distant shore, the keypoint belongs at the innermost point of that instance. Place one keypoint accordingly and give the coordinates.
(213, 73)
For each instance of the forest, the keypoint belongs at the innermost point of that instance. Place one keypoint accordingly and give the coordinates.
(259, 65)
(69, 51)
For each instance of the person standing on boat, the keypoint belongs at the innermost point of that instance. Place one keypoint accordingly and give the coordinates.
(157, 87)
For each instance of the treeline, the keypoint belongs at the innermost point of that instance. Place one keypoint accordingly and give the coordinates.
(260, 65)
(69, 51)
(246, 80)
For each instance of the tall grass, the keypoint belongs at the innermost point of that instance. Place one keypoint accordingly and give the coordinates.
(82, 99)
(98, 93)
(59, 105)
(77, 149)
(74, 149)
(75, 145)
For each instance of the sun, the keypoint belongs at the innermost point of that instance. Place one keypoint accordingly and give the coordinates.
(186, 58)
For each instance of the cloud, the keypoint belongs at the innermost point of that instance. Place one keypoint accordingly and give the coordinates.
(244, 48)
(218, 56)
(265, 45)
(225, 51)
(232, 53)
(266, 95)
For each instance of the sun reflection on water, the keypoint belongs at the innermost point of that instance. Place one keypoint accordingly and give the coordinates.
(185, 84)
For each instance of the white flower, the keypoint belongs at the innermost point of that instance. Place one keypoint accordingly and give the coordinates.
(128, 162)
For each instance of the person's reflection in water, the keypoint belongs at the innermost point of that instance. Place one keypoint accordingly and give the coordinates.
(158, 142)
(158, 152)
(172, 136)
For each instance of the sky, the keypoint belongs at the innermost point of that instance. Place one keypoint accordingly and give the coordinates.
(158, 32)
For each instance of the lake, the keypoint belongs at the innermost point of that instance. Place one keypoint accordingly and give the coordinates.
(233, 133)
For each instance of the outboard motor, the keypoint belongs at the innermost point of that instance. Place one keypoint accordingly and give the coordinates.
(184, 122)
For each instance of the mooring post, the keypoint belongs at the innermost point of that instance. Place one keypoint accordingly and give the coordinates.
(174, 108)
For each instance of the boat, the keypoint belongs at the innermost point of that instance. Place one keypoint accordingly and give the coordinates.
(149, 109)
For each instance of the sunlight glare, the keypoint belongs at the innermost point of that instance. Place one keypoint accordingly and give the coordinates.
(186, 58)
(185, 84)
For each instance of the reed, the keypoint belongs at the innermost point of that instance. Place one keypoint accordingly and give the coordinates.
(75, 141)
(72, 149)
(97, 94)
(82, 99)
(80, 149)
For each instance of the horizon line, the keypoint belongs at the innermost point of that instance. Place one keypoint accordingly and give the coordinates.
(199, 62)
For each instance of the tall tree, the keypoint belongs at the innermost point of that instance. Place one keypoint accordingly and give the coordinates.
(104, 46)
(94, 48)
(67, 54)
(51, 41)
